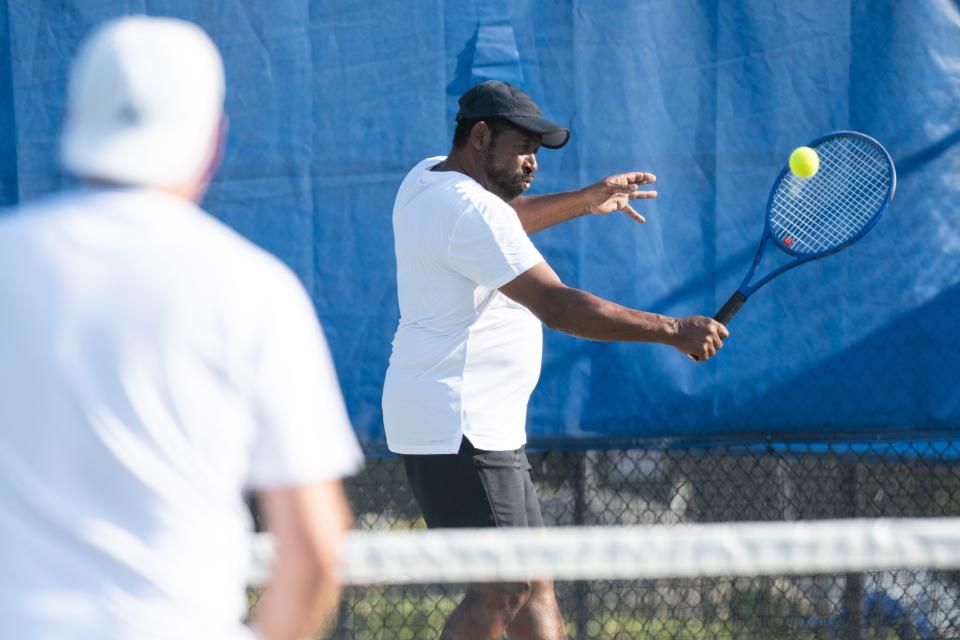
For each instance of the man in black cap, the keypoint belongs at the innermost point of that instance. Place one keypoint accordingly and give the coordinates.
(473, 292)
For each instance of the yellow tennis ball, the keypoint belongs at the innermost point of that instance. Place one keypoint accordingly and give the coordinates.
(804, 162)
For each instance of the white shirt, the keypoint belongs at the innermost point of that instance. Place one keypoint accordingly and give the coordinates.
(465, 357)
(154, 363)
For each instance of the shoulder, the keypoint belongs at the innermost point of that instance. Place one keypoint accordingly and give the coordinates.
(482, 201)
(454, 194)
(23, 216)
(248, 280)
(420, 175)
(260, 271)
(482, 209)
(207, 247)
(448, 193)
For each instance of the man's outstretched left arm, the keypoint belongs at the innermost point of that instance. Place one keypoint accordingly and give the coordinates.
(610, 194)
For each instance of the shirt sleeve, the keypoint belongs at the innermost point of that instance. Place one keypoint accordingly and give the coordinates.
(303, 430)
(489, 246)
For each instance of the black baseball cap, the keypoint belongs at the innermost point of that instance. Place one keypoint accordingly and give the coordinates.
(494, 98)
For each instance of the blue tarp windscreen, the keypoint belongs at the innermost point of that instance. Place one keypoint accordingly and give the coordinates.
(330, 103)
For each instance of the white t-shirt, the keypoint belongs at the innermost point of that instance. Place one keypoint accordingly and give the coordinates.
(465, 357)
(154, 363)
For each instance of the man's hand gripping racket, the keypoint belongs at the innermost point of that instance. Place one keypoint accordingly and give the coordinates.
(809, 218)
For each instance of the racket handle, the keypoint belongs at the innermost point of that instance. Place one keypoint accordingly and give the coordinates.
(730, 308)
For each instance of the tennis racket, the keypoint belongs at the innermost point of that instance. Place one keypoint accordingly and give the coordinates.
(809, 218)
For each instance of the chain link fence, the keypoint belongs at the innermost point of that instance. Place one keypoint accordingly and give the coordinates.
(655, 483)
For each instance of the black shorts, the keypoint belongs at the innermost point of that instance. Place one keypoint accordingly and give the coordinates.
(474, 488)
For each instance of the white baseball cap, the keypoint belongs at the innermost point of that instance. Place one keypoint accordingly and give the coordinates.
(144, 103)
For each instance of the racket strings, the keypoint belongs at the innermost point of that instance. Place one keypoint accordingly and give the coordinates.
(814, 215)
(836, 211)
(849, 202)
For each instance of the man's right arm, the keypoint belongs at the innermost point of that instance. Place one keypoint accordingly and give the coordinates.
(302, 445)
(588, 316)
(308, 523)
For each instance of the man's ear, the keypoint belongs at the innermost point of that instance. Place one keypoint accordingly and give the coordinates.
(218, 145)
(480, 135)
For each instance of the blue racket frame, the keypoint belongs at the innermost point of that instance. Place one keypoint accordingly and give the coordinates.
(745, 290)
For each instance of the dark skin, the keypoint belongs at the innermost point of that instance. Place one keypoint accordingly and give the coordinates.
(505, 164)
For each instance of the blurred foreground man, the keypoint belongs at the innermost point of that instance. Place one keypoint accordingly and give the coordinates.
(154, 365)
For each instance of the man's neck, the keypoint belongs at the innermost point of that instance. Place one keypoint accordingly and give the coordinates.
(468, 165)
(457, 161)
(191, 191)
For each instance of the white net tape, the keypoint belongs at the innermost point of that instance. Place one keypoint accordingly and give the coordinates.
(660, 551)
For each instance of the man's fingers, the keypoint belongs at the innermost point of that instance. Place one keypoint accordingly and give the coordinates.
(641, 177)
(630, 211)
(647, 178)
(643, 195)
(620, 187)
(631, 180)
(707, 339)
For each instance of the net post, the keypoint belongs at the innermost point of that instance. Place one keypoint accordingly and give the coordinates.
(342, 629)
(853, 582)
(581, 614)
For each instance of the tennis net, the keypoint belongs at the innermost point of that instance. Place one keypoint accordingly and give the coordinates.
(852, 578)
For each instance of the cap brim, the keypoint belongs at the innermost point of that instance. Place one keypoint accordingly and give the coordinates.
(552, 135)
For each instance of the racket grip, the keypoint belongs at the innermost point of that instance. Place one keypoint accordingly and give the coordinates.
(730, 308)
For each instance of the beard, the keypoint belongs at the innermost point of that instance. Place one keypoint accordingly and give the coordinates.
(502, 181)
